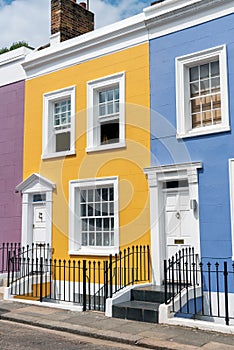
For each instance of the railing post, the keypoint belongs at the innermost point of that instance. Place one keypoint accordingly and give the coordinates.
(225, 273)
(165, 281)
(41, 278)
(84, 285)
(111, 285)
(8, 267)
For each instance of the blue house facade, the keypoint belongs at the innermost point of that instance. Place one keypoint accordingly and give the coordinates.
(191, 178)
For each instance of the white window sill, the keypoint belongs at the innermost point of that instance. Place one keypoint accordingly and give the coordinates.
(203, 131)
(106, 147)
(58, 154)
(96, 251)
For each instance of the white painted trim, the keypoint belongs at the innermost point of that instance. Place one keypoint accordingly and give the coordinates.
(231, 191)
(75, 247)
(156, 177)
(183, 64)
(175, 15)
(48, 99)
(93, 125)
(25, 185)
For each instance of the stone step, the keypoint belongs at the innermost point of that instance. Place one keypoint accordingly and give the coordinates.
(137, 310)
(153, 293)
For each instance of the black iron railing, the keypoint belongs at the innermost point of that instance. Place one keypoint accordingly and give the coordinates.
(7, 249)
(199, 290)
(85, 282)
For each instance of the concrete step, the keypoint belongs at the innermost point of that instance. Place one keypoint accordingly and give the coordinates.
(137, 311)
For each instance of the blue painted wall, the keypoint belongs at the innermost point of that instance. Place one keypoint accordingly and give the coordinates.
(212, 150)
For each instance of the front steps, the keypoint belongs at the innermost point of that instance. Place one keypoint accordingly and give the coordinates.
(143, 306)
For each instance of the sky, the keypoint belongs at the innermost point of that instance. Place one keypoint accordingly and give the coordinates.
(29, 20)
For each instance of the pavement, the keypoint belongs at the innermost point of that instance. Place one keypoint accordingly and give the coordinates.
(97, 325)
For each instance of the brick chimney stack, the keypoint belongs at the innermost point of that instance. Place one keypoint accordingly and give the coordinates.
(69, 19)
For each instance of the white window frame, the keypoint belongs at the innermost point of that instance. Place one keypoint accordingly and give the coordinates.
(231, 189)
(75, 246)
(93, 126)
(183, 63)
(48, 101)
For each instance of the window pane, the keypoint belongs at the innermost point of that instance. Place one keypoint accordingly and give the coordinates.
(102, 109)
(204, 71)
(83, 209)
(194, 89)
(206, 103)
(196, 120)
(84, 225)
(215, 84)
(83, 196)
(90, 195)
(99, 224)
(216, 101)
(97, 209)
(98, 195)
(104, 209)
(102, 96)
(106, 225)
(217, 116)
(105, 194)
(84, 239)
(195, 105)
(215, 68)
(204, 86)
(111, 192)
(110, 108)
(91, 239)
(193, 73)
(110, 95)
(207, 118)
(90, 210)
(106, 239)
(111, 209)
(117, 94)
(99, 238)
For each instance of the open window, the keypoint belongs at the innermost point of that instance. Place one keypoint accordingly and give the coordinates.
(106, 113)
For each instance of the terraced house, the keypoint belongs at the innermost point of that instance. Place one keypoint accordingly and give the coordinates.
(128, 163)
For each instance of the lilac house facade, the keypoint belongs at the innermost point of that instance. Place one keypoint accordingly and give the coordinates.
(11, 142)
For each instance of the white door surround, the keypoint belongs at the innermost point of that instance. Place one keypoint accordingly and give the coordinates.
(36, 186)
(158, 176)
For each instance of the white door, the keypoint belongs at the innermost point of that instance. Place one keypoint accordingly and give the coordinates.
(39, 224)
(179, 221)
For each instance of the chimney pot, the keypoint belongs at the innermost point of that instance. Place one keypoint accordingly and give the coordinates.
(83, 4)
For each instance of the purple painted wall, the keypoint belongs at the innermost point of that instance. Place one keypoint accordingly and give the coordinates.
(11, 159)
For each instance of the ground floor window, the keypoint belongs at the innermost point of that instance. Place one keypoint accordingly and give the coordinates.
(94, 216)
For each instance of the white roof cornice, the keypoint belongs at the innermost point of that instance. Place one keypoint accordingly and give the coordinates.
(173, 15)
(11, 69)
(109, 39)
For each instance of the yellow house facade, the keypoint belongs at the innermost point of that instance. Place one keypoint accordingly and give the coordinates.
(86, 143)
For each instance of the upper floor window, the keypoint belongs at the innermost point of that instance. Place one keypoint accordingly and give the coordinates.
(59, 123)
(106, 113)
(202, 95)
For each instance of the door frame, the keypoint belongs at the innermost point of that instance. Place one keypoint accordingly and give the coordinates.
(35, 184)
(157, 176)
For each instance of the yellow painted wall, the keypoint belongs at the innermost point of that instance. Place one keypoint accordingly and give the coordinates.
(127, 163)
